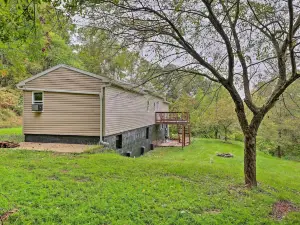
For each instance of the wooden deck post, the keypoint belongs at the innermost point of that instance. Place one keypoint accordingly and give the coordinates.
(189, 134)
(182, 145)
(183, 136)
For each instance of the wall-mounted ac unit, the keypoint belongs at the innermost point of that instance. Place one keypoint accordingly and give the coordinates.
(37, 107)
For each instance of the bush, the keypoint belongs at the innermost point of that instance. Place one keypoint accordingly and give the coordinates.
(237, 136)
(10, 108)
(11, 99)
(9, 119)
(265, 145)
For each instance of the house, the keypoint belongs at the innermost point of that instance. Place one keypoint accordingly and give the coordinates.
(67, 105)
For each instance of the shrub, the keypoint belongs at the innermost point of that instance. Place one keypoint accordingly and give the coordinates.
(237, 136)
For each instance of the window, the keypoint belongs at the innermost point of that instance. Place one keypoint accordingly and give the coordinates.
(37, 97)
(147, 133)
(119, 141)
(37, 101)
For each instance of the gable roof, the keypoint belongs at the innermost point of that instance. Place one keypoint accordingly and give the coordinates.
(22, 83)
(120, 84)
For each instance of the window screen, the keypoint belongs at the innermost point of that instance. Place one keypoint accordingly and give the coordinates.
(37, 97)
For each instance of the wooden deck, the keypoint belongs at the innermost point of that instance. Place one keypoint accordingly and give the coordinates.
(181, 120)
(172, 118)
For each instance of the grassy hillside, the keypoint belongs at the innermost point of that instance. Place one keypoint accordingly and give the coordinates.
(10, 108)
(11, 134)
(166, 186)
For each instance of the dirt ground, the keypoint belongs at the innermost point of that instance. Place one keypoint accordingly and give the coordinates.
(172, 143)
(53, 147)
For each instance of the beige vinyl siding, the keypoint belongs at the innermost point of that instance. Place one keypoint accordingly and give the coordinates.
(164, 107)
(125, 110)
(66, 79)
(64, 114)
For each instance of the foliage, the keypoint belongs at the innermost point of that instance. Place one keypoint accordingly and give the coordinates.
(212, 112)
(17, 20)
(45, 47)
(10, 99)
(166, 186)
(104, 56)
(279, 132)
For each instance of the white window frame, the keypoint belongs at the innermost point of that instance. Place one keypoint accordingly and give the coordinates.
(38, 102)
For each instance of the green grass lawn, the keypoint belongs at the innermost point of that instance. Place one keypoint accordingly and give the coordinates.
(11, 131)
(166, 186)
(11, 134)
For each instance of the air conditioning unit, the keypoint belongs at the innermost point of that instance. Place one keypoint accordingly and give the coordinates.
(37, 107)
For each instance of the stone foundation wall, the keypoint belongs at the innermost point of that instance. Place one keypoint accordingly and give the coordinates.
(134, 140)
(68, 139)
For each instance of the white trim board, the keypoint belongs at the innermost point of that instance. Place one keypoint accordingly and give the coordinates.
(59, 91)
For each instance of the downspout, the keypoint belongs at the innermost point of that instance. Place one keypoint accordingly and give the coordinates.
(101, 142)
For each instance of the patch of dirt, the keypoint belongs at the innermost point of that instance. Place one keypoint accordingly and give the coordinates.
(83, 179)
(6, 215)
(225, 155)
(238, 190)
(213, 211)
(8, 144)
(54, 177)
(64, 171)
(282, 208)
(53, 147)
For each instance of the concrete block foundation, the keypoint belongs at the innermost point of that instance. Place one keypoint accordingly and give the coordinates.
(134, 142)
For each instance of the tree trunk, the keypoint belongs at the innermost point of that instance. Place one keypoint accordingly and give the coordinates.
(216, 133)
(225, 133)
(279, 154)
(250, 159)
(279, 147)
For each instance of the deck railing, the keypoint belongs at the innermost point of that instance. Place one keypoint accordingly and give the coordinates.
(172, 117)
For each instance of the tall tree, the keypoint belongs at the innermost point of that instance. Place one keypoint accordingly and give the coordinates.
(234, 43)
(38, 40)
(280, 129)
(221, 114)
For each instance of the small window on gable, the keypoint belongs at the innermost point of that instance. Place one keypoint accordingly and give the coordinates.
(37, 97)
